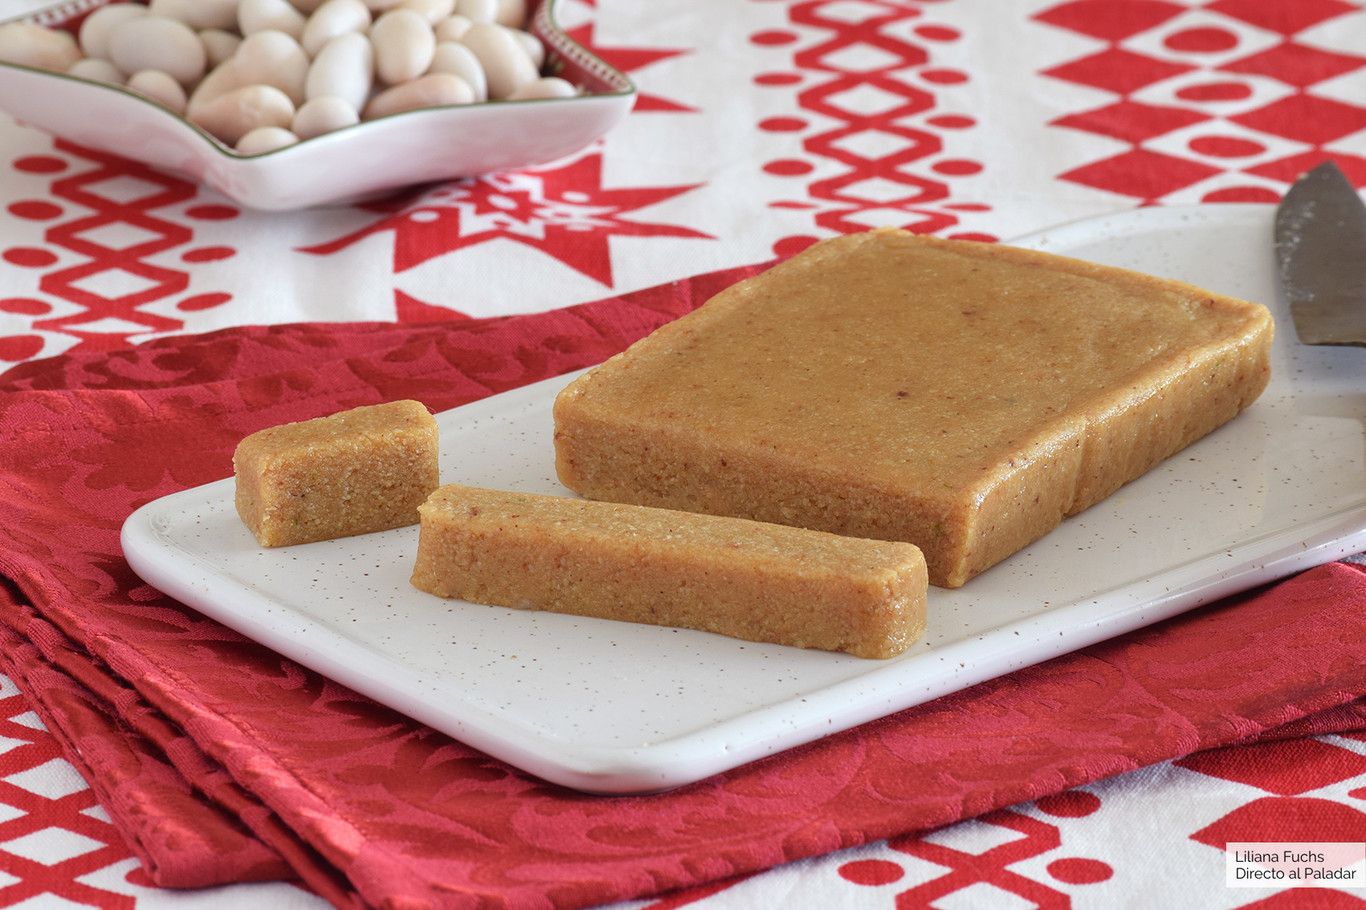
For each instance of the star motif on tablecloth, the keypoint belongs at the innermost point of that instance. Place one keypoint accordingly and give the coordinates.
(563, 211)
(628, 60)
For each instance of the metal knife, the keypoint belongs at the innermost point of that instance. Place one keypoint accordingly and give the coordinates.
(1320, 240)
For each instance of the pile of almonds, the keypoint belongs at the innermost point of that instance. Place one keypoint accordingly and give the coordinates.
(259, 75)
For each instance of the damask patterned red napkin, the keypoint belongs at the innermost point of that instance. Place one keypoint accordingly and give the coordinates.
(221, 761)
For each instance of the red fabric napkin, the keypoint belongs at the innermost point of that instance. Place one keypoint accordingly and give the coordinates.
(221, 761)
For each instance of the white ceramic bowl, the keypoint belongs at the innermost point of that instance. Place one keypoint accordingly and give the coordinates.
(361, 161)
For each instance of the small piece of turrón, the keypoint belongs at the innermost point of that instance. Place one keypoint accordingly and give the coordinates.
(361, 470)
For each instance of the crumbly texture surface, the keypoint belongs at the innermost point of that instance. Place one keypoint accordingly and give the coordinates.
(962, 396)
(362, 470)
(740, 578)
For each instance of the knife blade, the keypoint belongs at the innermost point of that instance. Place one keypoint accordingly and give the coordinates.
(1320, 243)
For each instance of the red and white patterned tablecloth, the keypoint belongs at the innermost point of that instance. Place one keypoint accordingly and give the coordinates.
(760, 126)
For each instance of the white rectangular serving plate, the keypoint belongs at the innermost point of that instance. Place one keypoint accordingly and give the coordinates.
(614, 707)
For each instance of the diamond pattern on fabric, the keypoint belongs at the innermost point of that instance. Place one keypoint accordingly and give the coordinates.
(1111, 20)
(1241, 94)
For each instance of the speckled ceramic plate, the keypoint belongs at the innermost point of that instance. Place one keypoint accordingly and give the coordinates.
(371, 158)
(615, 707)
